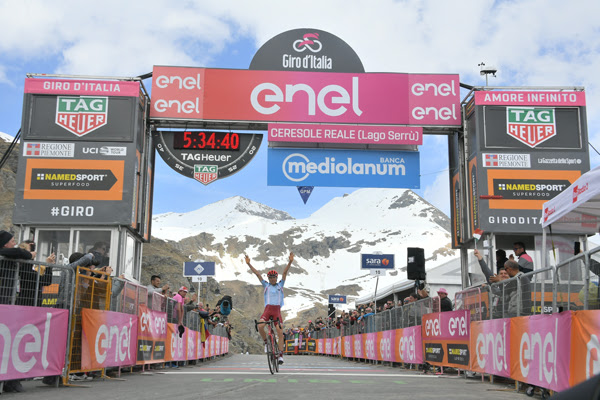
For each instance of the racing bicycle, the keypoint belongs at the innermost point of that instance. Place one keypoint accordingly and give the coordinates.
(272, 348)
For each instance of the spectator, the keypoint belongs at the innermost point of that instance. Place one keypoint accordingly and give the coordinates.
(500, 259)
(525, 261)
(28, 278)
(445, 302)
(511, 288)
(179, 298)
(99, 251)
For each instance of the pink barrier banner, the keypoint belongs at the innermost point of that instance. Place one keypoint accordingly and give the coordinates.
(347, 347)
(82, 87)
(33, 341)
(321, 346)
(371, 346)
(359, 345)
(385, 348)
(152, 335)
(337, 346)
(490, 347)
(108, 339)
(449, 325)
(217, 345)
(408, 345)
(176, 346)
(316, 97)
(539, 350)
(533, 98)
(446, 338)
(329, 346)
(359, 134)
(585, 346)
(192, 339)
(199, 347)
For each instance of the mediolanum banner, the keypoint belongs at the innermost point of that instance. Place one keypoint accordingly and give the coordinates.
(343, 168)
(295, 96)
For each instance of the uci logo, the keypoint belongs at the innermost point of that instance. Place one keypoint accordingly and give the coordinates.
(309, 41)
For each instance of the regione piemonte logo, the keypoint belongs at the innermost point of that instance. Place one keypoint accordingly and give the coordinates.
(530, 125)
(81, 115)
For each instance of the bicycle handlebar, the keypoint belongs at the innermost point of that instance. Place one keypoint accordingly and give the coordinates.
(270, 322)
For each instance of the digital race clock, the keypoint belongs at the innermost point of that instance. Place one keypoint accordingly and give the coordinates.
(203, 140)
(206, 155)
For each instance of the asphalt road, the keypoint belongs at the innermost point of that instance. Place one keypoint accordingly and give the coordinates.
(248, 377)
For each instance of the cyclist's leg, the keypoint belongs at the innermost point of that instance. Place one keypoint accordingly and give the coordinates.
(280, 337)
(261, 330)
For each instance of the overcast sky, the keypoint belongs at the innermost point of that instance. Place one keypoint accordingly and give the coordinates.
(532, 43)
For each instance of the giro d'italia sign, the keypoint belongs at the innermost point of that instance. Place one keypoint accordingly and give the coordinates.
(308, 81)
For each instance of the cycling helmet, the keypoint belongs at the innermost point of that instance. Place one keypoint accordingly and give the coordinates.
(272, 273)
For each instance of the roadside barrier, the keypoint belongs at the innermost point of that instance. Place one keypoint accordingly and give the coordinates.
(83, 322)
(539, 328)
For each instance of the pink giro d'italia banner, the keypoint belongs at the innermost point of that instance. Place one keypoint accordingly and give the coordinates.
(108, 339)
(490, 347)
(314, 97)
(34, 341)
(358, 134)
(176, 346)
(408, 345)
(539, 350)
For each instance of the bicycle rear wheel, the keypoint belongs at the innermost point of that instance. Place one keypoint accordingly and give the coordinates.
(270, 354)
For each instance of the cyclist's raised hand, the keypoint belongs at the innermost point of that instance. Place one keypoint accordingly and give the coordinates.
(291, 256)
(247, 259)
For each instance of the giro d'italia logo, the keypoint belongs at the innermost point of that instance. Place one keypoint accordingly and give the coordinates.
(310, 42)
(81, 115)
(206, 173)
(531, 125)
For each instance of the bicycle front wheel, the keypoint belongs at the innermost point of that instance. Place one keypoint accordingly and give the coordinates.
(275, 353)
(270, 353)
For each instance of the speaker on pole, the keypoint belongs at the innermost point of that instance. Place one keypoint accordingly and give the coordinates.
(415, 263)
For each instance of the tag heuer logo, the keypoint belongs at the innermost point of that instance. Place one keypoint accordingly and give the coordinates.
(206, 173)
(531, 125)
(81, 114)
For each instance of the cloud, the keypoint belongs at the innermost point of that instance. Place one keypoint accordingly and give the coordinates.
(438, 192)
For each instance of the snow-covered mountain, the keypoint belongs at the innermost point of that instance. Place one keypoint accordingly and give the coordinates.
(5, 137)
(327, 244)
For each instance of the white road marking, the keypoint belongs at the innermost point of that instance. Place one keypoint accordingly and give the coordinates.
(293, 373)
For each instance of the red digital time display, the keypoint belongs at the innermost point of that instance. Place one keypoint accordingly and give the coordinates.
(202, 140)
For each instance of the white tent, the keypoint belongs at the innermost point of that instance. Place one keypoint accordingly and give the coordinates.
(576, 210)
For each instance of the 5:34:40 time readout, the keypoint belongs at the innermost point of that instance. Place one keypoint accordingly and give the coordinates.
(201, 140)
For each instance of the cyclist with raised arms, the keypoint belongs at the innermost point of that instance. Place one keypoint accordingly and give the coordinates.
(273, 292)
